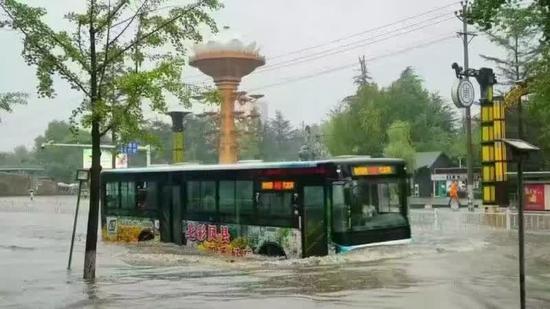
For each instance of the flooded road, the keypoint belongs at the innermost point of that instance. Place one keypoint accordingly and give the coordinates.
(445, 266)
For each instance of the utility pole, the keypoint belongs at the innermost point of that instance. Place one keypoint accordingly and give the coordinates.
(463, 16)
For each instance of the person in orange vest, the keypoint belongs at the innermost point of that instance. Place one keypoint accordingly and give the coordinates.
(453, 193)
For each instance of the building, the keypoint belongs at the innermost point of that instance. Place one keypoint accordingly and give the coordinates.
(443, 177)
(425, 165)
(434, 173)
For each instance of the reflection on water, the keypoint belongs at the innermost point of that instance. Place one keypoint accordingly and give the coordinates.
(443, 267)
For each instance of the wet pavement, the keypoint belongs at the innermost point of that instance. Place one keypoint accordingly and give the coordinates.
(445, 266)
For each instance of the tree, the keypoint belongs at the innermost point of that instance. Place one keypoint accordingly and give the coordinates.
(363, 78)
(201, 140)
(539, 106)
(360, 124)
(20, 157)
(399, 143)
(9, 99)
(520, 39)
(60, 163)
(250, 138)
(487, 14)
(505, 17)
(356, 125)
(94, 59)
(279, 140)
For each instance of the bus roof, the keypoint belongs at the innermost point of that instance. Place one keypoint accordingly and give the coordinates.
(253, 165)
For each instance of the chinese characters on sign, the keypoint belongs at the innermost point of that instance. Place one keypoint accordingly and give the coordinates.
(202, 232)
(534, 197)
(213, 238)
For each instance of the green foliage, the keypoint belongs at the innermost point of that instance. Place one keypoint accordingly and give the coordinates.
(399, 143)
(458, 149)
(491, 14)
(520, 38)
(361, 122)
(539, 105)
(280, 141)
(276, 140)
(517, 27)
(120, 54)
(60, 163)
(20, 157)
(140, 55)
(9, 99)
(250, 139)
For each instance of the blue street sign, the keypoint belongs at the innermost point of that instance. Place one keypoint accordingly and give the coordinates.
(130, 149)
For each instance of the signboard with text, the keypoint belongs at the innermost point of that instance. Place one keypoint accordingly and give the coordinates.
(534, 196)
(106, 159)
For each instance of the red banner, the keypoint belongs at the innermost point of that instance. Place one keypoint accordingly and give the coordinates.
(534, 196)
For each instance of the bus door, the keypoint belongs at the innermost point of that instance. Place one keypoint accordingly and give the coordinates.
(314, 227)
(171, 214)
(177, 226)
(165, 213)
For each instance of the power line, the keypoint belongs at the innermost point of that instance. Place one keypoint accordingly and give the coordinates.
(350, 46)
(351, 36)
(339, 49)
(346, 66)
(365, 31)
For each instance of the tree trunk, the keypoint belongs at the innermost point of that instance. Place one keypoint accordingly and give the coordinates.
(93, 214)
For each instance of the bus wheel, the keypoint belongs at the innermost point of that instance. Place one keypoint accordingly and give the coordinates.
(145, 235)
(272, 249)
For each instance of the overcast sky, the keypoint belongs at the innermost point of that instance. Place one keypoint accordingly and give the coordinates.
(342, 29)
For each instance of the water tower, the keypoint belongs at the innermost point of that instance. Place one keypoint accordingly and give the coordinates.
(227, 62)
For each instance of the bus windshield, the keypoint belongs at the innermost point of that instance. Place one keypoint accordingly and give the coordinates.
(372, 204)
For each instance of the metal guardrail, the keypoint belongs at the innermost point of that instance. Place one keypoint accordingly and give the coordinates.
(507, 220)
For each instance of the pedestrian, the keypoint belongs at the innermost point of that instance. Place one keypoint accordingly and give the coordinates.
(31, 194)
(453, 195)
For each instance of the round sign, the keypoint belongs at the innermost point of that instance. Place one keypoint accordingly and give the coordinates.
(463, 93)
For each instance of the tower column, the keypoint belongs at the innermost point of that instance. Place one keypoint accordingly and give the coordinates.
(227, 151)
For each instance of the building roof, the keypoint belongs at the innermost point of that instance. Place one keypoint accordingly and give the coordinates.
(426, 159)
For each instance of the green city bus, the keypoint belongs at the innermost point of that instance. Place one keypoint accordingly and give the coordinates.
(291, 209)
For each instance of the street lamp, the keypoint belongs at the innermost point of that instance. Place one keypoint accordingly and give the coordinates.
(520, 150)
(82, 175)
(177, 135)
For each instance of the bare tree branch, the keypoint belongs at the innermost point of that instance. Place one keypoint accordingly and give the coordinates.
(138, 12)
(154, 31)
(104, 68)
(113, 13)
(496, 60)
(79, 38)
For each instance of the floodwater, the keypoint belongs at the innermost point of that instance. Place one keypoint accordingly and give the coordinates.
(445, 266)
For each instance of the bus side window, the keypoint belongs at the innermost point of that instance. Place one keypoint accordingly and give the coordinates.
(112, 195)
(201, 200)
(193, 196)
(146, 195)
(227, 201)
(244, 198)
(340, 217)
(128, 195)
(208, 196)
(274, 208)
